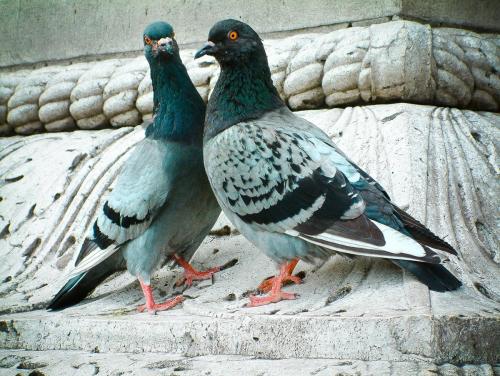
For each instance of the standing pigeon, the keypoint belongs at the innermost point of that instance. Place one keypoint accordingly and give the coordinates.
(287, 187)
(162, 204)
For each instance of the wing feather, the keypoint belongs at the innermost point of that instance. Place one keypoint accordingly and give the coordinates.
(141, 190)
(295, 181)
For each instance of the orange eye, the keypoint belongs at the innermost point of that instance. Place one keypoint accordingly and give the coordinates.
(147, 40)
(233, 35)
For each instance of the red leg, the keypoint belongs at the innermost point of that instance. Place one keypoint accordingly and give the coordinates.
(275, 295)
(151, 306)
(267, 284)
(191, 274)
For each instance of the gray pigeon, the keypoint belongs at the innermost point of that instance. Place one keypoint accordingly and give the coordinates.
(287, 187)
(162, 204)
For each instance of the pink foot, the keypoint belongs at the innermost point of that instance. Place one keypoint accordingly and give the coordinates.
(170, 303)
(267, 284)
(153, 307)
(256, 301)
(275, 295)
(191, 274)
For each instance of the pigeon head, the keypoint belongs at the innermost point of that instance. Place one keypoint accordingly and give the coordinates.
(159, 41)
(178, 109)
(245, 89)
(231, 41)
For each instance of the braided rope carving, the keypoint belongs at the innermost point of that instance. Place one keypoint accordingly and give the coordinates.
(87, 96)
(394, 61)
(54, 102)
(23, 105)
(8, 84)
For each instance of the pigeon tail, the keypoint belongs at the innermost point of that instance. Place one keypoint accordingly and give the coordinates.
(422, 234)
(435, 276)
(82, 285)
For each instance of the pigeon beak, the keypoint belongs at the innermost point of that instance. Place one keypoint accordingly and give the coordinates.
(208, 49)
(165, 44)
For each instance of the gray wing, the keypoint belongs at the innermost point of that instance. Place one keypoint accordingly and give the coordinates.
(285, 179)
(141, 190)
(378, 203)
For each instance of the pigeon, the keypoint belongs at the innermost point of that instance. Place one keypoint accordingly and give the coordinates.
(288, 188)
(162, 205)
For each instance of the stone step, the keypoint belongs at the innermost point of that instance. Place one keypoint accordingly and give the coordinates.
(364, 309)
(79, 363)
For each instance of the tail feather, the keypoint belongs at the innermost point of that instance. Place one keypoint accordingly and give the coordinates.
(82, 285)
(435, 276)
(422, 234)
(88, 247)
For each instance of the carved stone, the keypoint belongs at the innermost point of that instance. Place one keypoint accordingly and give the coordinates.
(87, 96)
(439, 164)
(387, 62)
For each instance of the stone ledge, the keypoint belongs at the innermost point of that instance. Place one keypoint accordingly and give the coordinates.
(442, 339)
(365, 310)
(80, 363)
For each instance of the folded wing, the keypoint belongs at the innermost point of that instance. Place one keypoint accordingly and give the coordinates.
(141, 190)
(289, 181)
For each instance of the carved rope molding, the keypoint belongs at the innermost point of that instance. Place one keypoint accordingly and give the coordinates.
(394, 61)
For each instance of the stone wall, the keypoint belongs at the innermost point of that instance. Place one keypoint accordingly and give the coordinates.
(44, 31)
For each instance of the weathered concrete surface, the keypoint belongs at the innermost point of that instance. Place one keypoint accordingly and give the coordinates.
(469, 14)
(393, 61)
(439, 164)
(81, 363)
(43, 31)
(34, 31)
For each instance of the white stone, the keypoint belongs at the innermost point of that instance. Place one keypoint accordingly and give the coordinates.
(120, 93)
(54, 102)
(80, 363)
(439, 164)
(23, 104)
(8, 83)
(87, 97)
(144, 101)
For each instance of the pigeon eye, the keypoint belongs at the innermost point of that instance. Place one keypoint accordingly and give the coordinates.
(233, 35)
(147, 40)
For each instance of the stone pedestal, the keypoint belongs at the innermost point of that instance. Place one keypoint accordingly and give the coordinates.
(360, 315)
(409, 90)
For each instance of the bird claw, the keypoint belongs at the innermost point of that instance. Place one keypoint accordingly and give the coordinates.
(256, 301)
(168, 304)
(195, 275)
(285, 277)
(267, 284)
